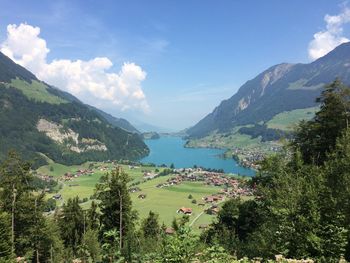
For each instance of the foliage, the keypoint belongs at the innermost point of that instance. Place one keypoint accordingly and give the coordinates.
(179, 248)
(32, 235)
(111, 248)
(115, 206)
(150, 226)
(267, 134)
(90, 246)
(317, 137)
(72, 223)
(5, 237)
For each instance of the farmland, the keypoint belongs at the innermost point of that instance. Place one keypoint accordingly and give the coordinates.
(165, 201)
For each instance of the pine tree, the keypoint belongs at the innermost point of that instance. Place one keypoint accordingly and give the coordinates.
(115, 205)
(71, 223)
(150, 226)
(318, 136)
(25, 206)
(5, 238)
(93, 216)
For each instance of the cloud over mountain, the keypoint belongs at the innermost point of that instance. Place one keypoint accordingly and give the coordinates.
(326, 40)
(90, 80)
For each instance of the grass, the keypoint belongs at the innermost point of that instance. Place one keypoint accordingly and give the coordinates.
(164, 201)
(36, 91)
(232, 140)
(288, 119)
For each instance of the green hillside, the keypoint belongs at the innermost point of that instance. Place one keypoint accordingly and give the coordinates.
(288, 119)
(40, 121)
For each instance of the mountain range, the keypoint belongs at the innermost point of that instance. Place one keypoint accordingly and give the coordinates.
(281, 88)
(44, 123)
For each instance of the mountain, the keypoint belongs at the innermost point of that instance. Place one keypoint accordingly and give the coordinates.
(281, 88)
(117, 122)
(40, 122)
(146, 127)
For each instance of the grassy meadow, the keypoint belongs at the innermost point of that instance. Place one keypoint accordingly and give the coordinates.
(164, 201)
(288, 119)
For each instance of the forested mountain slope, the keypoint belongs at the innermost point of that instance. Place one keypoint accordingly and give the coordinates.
(41, 121)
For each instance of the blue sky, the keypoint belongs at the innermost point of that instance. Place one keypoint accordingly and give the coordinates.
(186, 55)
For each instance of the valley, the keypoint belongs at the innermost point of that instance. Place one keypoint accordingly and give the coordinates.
(158, 189)
(174, 137)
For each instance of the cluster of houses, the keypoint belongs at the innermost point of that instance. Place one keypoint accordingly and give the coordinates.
(250, 157)
(45, 177)
(231, 186)
(149, 175)
(212, 200)
(70, 176)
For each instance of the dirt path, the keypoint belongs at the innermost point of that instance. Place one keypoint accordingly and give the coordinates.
(199, 215)
(194, 220)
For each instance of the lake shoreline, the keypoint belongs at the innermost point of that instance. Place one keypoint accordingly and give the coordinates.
(172, 150)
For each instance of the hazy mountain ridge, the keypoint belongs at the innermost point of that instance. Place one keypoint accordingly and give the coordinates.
(117, 122)
(283, 87)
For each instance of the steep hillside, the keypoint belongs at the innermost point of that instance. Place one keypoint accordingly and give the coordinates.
(118, 122)
(40, 121)
(284, 87)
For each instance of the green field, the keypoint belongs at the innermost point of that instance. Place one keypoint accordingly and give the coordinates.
(164, 201)
(288, 119)
(36, 91)
(231, 140)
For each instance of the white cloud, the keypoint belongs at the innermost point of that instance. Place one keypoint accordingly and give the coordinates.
(89, 80)
(326, 40)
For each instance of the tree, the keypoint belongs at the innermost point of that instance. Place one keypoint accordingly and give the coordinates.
(91, 245)
(93, 216)
(25, 205)
(180, 247)
(110, 247)
(318, 136)
(150, 226)
(175, 225)
(5, 238)
(115, 204)
(335, 205)
(224, 230)
(16, 199)
(71, 223)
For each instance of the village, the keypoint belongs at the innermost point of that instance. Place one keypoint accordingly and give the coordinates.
(227, 186)
(232, 187)
(250, 158)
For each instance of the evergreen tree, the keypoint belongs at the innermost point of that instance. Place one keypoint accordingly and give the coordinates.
(93, 216)
(25, 205)
(5, 238)
(71, 223)
(318, 136)
(150, 226)
(115, 205)
(91, 245)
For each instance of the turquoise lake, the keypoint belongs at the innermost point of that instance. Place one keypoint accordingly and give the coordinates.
(168, 150)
